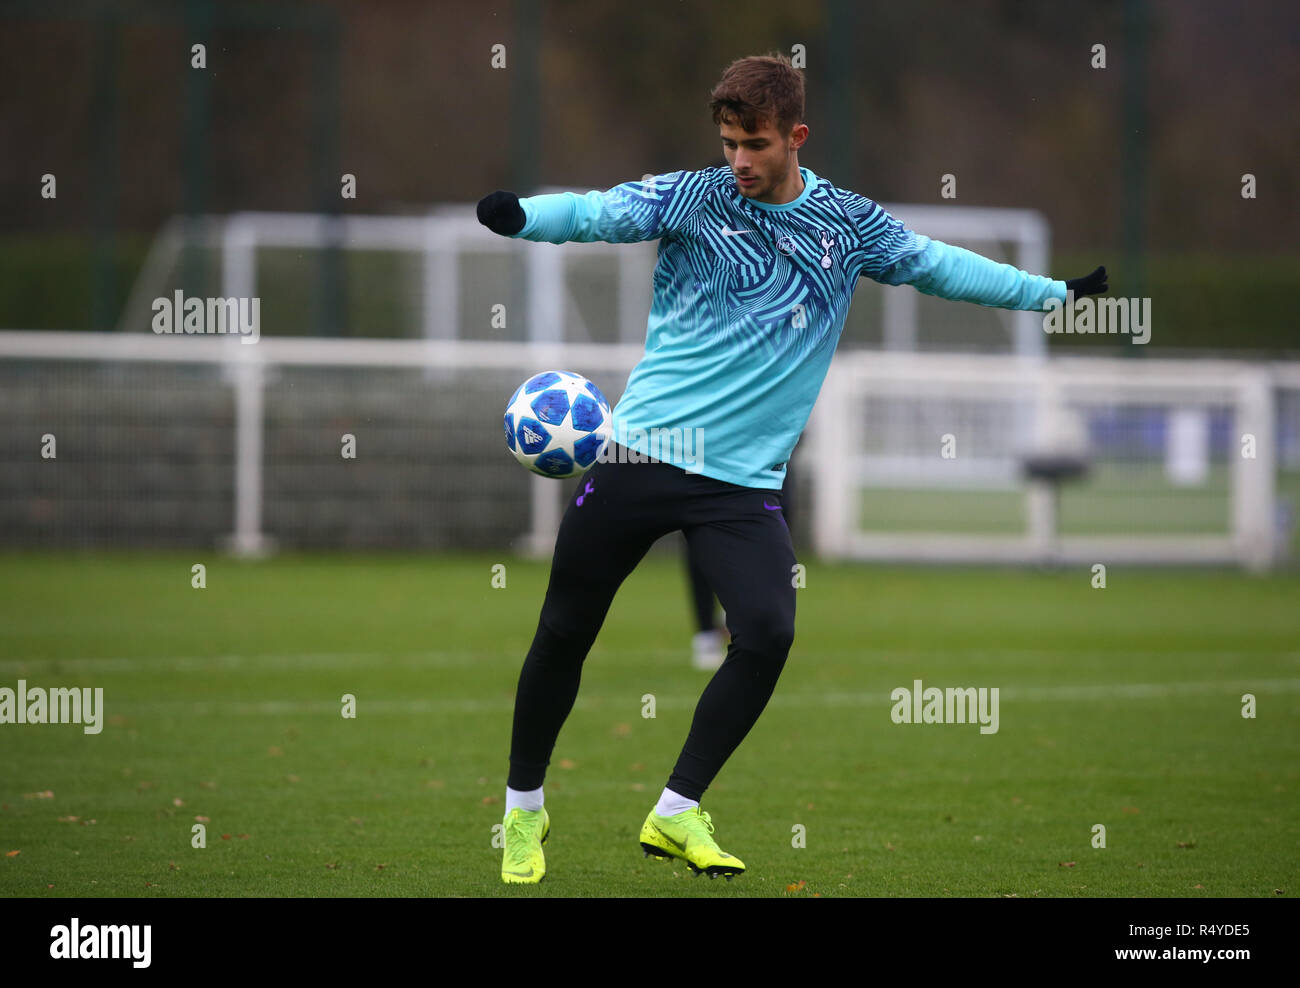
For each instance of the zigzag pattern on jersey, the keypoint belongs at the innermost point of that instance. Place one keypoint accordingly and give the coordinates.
(759, 286)
(678, 266)
(645, 210)
(888, 242)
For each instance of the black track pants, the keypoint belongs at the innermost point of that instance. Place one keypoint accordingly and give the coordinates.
(741, 542)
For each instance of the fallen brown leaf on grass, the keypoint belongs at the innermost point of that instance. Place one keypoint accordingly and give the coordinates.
(568, 763)
(47, 794)
(331, 867)
(243, 836)
(178, 801)
(489, 800)
(1066, 864)
(275, 751)
(225, 837)
(795, 888)
(207, 785)
(202, 819)
(69, 819)
(12, 854)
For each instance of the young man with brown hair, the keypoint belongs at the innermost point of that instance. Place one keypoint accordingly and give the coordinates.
(757, 265)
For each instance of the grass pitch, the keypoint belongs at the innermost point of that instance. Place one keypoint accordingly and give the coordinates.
(1120, 707)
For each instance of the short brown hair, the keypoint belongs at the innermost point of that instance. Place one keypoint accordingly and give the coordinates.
(758, 89)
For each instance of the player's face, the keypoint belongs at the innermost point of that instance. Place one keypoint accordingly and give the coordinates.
(765, 162)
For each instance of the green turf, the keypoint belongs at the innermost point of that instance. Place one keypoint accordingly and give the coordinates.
(1118, 707)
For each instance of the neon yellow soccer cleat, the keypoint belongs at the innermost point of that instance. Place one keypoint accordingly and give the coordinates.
(524, 863)
(689, 836)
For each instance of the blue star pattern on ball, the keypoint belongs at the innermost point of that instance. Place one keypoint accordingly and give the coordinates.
(557, 423)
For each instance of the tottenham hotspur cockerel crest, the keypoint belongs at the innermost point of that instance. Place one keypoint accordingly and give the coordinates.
(827, 243)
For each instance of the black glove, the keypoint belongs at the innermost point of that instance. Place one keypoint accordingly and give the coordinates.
(501, 213)
(1089, 284)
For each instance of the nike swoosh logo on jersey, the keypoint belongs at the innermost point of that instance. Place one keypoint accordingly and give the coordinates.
(732, 233)
(772, 507)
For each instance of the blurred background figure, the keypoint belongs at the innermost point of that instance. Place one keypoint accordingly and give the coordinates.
(709, 643)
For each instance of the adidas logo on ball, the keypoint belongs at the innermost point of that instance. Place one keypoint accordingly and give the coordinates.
(557, 424)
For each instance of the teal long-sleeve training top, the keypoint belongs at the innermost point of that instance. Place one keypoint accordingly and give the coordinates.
(748, 306)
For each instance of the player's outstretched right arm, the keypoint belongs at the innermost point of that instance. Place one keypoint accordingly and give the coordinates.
(501, 213)
(626, 214)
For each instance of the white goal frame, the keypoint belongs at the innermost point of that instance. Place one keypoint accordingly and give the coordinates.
(840, 469)
(450, 236)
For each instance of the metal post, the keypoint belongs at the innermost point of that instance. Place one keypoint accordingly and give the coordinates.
(104, 126)
(245, 372)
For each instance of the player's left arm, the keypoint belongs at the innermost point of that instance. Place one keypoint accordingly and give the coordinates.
(898, 256)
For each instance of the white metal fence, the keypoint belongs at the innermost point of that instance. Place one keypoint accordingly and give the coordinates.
(190, 440)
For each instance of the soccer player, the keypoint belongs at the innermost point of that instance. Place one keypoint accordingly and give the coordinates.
(757, 265)
(708, 647)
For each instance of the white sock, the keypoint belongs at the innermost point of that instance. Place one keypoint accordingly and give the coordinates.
(530, 800)
(670, 804)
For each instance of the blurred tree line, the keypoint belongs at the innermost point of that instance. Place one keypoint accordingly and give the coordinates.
(1002, 94)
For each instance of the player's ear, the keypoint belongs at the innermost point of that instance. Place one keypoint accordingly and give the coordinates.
(798, 135)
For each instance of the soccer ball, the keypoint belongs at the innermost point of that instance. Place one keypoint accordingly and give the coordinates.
(557, 424)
